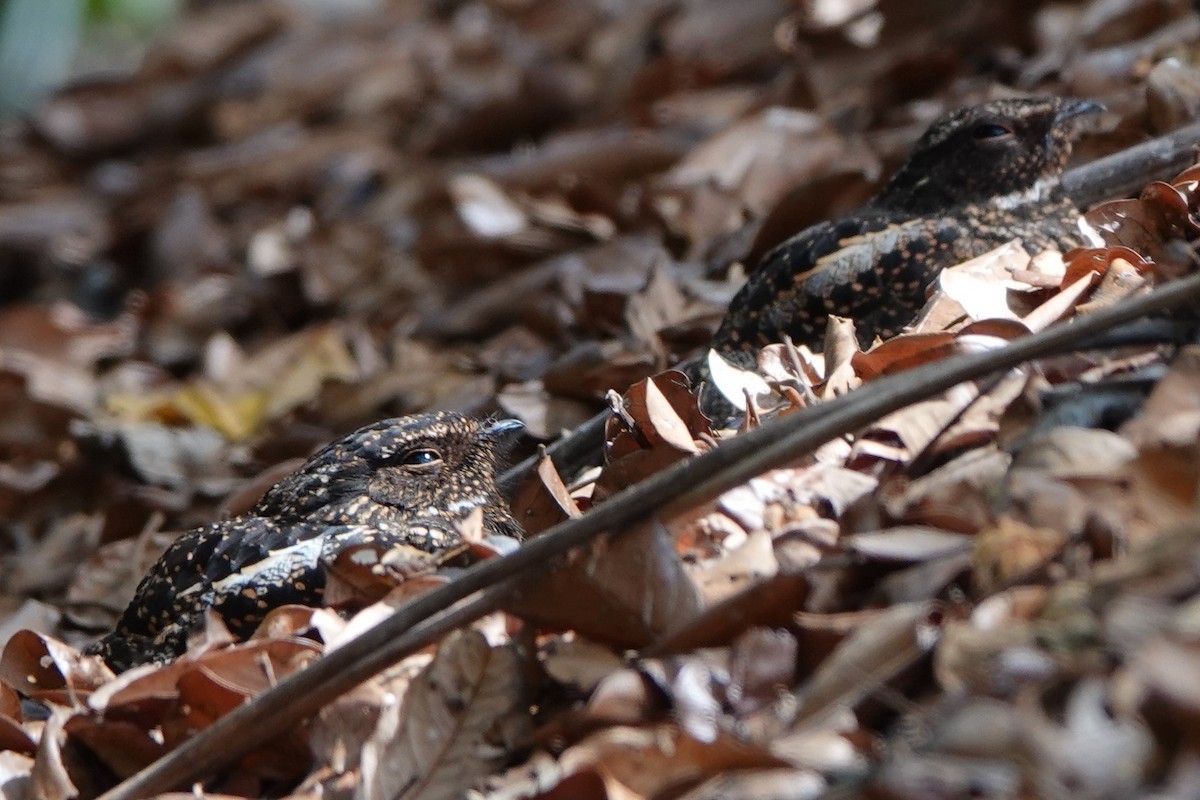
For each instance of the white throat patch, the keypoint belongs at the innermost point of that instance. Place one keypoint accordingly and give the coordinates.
(1034, 194)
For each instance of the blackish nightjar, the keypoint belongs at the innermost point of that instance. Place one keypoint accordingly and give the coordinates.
(977, 178)
(406, 481)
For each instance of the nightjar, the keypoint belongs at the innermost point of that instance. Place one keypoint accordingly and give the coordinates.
(405, 481)
(978, 178)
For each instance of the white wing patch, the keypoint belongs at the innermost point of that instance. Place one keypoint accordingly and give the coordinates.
(271, 570)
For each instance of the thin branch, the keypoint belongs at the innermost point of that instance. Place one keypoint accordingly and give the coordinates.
(1127, 171)
(684, 485)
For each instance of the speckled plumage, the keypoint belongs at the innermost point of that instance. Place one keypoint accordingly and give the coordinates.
(977, 178)
(405, 481)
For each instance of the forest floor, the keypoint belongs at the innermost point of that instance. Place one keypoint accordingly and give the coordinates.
(295, 218)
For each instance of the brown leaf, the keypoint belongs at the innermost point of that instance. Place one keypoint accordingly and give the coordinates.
(762, 665)
(545, 415)
(796, 492)
(625, 697)
(109, 577)
(872, 655)
(841, 348)
(665, 420)
(1082, 261)
(246, 669)
(543, 499)
(980, 286)
(1071, 452)
(658, 306)
(13, 736)
(648, 761)
(340, 729)
(767, 603)
(365, 574)
(661, 410)
(51, 382)
(623, 591)
(902, 352)
(952, 497)
(1010, 550)
(220, 681)
(578, 662)
(1159, 215)
(1121, 280)
(10, 702)
(289, 621)
(33, 663)
(464, 714)
(142, 695)
(764, 156)
(918, 425)
(123, 746)
(50, 776)
(636, 447)
(1170, 416)
(752, 561)
(1060, 304)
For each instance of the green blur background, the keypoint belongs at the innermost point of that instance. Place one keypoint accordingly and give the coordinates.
(45, 43)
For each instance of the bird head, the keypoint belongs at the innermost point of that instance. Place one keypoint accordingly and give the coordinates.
(1005, 153)
(427, 468)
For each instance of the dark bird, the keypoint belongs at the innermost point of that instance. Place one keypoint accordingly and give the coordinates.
(978, 178)
(406, 481)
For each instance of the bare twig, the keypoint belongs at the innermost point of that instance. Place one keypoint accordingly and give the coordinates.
(1127, 171)
(684, 485)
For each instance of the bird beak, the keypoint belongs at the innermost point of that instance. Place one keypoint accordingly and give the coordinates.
(496, 427)
(1077, 108)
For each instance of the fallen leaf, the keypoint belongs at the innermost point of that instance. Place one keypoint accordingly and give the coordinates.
(647, 761)
(622, 591)
(1010, 550)
(910, 543)
(461, 716)
(867, 659)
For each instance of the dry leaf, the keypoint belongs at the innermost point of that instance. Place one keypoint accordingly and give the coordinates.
(461, 716)
(625, 591)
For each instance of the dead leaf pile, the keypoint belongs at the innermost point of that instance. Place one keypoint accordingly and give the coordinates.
(296, 217)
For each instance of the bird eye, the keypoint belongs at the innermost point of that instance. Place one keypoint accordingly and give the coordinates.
(990, 130)
(425, 457)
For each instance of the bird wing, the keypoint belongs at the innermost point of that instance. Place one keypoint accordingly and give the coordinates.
(180, 568)
(249, 540)
(287, 566)
(180, 582)
(871, 267)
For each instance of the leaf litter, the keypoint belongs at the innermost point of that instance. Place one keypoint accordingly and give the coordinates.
(275, 229)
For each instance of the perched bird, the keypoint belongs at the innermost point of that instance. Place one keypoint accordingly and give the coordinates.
(977, 178)
(406, 481)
